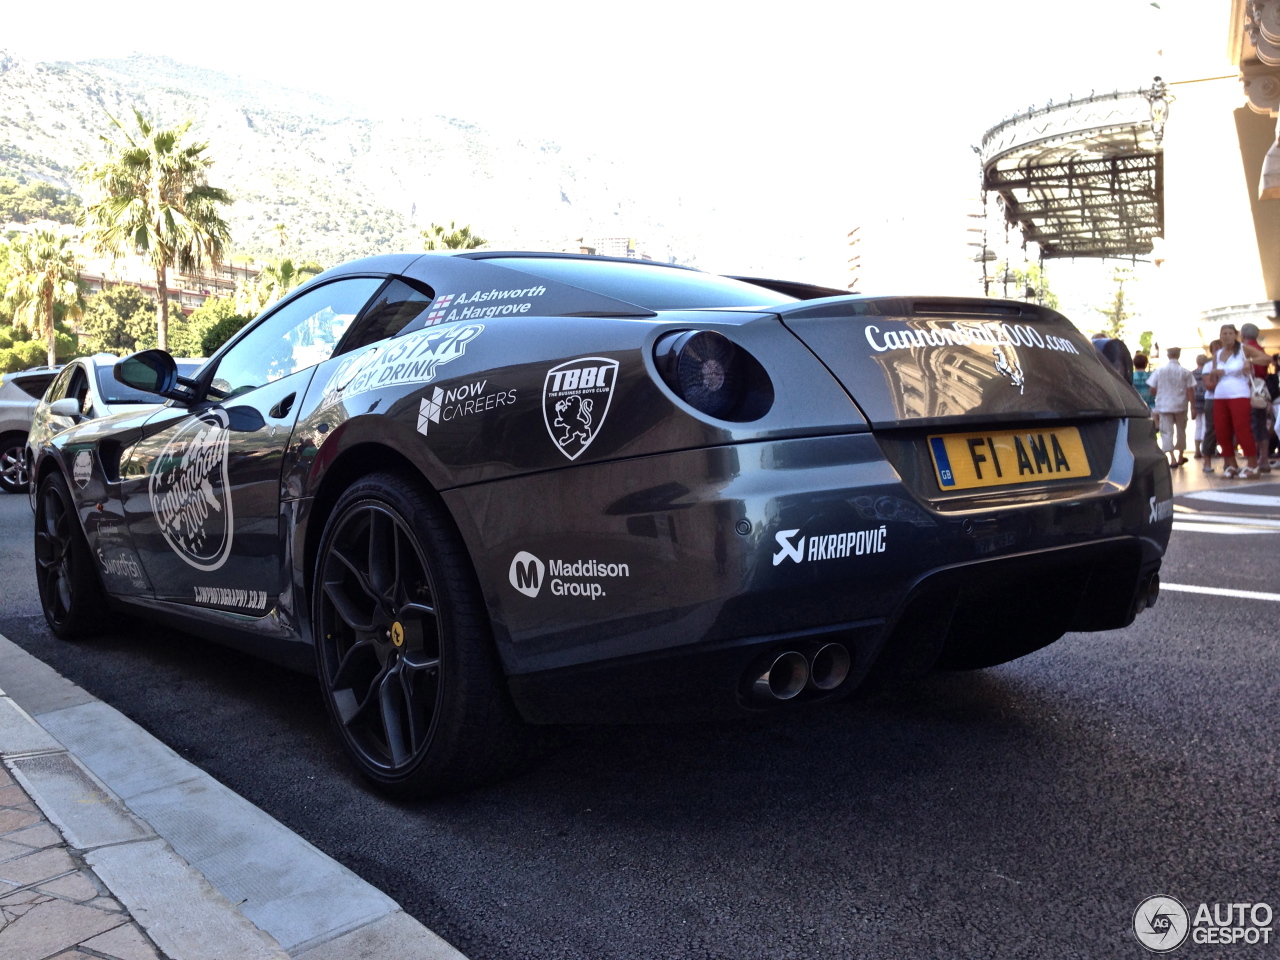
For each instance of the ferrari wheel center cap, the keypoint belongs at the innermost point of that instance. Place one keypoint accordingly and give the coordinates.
(397, 634)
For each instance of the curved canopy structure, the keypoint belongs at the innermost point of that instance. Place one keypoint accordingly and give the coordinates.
(1083, 178)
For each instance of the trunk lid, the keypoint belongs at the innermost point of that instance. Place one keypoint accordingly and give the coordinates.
(933, 361)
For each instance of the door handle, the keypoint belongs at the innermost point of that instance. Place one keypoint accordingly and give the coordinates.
(282, 408)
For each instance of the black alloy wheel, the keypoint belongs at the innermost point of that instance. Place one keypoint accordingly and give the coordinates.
(404, 653)
(70, 592)
(13, 464)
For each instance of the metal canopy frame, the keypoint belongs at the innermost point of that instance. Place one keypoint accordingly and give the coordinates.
(1084, 178)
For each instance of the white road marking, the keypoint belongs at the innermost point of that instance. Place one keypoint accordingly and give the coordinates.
(1231, 496)
(1182, 513)
(1219, 527)
(1220, 592)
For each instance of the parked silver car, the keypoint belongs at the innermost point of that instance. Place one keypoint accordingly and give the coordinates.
(86, 389)
(19, 395)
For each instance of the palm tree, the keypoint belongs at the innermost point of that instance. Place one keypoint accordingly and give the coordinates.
(157, 202)
(455, 238)
(46, 277)
(275, 280)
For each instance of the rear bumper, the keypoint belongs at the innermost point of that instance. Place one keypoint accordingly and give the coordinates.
(651, 587)
(961, 616)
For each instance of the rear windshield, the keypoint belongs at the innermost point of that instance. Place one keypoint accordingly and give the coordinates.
(113, 391)
(34, 386)
(651, 287)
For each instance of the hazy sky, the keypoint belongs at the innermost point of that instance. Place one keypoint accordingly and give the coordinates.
(797, 119)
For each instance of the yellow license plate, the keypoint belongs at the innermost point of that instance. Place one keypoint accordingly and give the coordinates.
(965, 460)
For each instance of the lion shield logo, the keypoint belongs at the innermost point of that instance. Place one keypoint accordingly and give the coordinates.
(575, 401)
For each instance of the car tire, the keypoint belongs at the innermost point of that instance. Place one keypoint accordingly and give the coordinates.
(13, 463)
(404, 652)
(71, 593)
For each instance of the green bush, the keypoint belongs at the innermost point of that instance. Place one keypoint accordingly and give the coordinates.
(20, 334)
(32, 352)
(66, 346)
(6, 338)
(10, 362)
(220, 333)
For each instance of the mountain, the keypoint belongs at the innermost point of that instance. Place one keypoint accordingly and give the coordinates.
(345, 180)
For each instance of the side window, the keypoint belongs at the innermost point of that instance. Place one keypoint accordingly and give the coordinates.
(58, 389)
(79, 386)
(397, 306)
(35, 386)
(300, 334)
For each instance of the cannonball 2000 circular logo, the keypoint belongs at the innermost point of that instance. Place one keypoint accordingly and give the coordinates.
(191, 493)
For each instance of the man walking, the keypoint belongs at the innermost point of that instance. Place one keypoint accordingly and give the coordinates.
(1172, 390)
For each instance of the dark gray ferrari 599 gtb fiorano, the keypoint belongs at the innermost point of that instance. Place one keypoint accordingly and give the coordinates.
(488, 489)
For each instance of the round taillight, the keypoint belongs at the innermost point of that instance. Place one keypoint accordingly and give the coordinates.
(713, 375)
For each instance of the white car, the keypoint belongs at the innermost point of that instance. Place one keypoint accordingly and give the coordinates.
(85, 389)
(19, 395)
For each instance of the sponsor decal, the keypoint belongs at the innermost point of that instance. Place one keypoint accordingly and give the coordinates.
(191, 493)
(1007, 364)
(575, 400)
(122, 565)
(450, 307)
(460, 401)
(1162, 924)
(565, 578)
(961, 333)
(831, 546)
(231, 597)
(82, 469)
(1160, 510)
(413, 358)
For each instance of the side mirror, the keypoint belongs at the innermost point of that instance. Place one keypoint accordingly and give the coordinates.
(151, 371)
(66, 407)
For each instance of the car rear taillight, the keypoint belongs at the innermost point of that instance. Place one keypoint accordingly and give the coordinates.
(713, 375)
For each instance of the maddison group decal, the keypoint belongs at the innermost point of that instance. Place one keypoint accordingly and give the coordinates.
(231, 597)
(832, 546)
(966, 333)
(568, 578)
(449, 307)
(413, 358)
(575, 400)
(191, 493)
(445, 405)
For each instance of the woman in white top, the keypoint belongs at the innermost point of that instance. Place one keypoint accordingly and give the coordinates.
(1230, 383)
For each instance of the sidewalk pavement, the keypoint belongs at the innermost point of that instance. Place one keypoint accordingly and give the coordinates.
(112, 845)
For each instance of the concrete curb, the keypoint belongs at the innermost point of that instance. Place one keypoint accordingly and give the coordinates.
(205, 873)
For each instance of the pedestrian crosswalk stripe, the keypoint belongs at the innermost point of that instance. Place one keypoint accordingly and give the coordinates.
(1234, 496)
(1220, 592)
(1234, 529)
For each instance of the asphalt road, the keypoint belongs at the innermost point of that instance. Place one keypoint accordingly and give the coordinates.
(1022, 811)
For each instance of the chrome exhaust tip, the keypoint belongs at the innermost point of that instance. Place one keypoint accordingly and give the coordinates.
(829, 666)
(1153, 590)
(784, 678)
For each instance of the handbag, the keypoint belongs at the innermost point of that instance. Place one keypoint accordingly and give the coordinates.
(1259, 395)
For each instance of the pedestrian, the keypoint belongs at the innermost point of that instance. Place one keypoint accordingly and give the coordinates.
(1273, 388)
(1172, 390)
(1258, 416)
(1210, 446)
(1197, 374)
(1231, 405)
(1140, 376)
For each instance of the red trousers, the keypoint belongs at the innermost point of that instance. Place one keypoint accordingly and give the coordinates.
(1231, 422)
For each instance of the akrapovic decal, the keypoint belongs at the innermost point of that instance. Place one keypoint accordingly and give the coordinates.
(191, 494)
(413, 358)
(831, 546)
(449, 307)
(459, 401)
(575, 400)
(564, 578)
